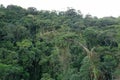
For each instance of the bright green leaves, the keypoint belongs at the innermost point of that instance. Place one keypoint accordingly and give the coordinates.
(8, 56)
(8, 72)
(25, 44)
(46, 76)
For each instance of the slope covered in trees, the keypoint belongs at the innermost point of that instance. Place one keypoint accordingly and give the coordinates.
(51, 45)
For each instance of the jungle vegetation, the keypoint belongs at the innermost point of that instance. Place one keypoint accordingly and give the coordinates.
(58, 45)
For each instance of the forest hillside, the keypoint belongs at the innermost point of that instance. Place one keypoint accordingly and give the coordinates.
(58, 45)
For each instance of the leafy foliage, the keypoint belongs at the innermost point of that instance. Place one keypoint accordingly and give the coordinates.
(52, 45)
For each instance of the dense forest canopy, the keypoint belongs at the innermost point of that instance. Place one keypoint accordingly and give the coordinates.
(52, 45)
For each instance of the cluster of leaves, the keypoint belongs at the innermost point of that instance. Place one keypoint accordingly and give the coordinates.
(51, 45)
